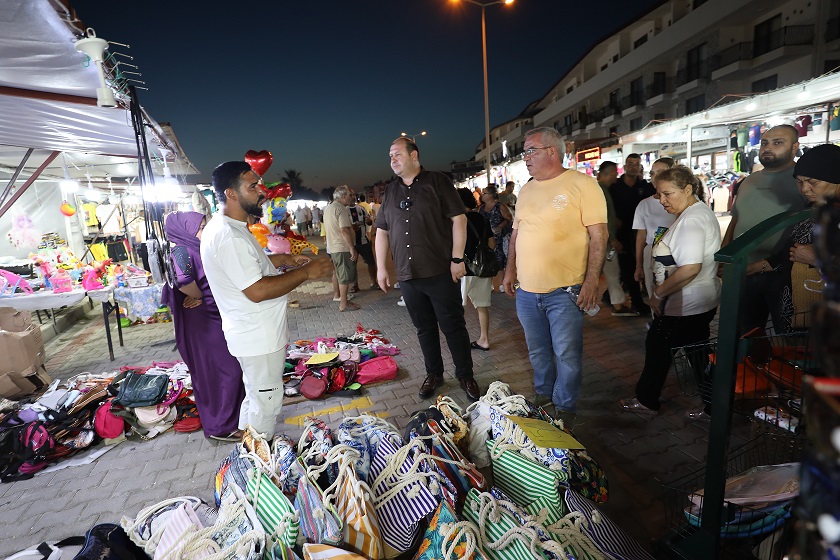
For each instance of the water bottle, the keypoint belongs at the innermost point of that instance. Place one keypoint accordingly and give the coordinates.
(574, 293)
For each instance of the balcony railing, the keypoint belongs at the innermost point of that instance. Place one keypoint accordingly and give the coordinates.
(786, 36)
(632, 100)
(730, 55)
(596, 116)
(659, 88)
(694, 72)
(832, 29)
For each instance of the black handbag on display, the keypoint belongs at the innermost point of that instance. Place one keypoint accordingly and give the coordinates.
(109, 542)
(134, 389)
(483, 263)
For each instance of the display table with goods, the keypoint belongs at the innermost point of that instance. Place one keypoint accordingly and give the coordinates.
(140, 303)
(366, 490)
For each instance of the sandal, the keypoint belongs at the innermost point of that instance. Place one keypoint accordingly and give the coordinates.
(187, 420)
(233, 437)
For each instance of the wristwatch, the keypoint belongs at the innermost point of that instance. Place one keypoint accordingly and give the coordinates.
(457, 261)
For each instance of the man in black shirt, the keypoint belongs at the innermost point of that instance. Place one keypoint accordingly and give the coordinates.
(423, 221)
(627, 192)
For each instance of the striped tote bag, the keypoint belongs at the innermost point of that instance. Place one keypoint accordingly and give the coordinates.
(501, 536)
(353, 503)
(610, 539)
(403, 480)
(319, 522)
(276, 514)
(560, 537)
(529, 484)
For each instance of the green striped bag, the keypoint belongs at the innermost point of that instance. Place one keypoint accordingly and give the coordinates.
(274, 510)
(529, 484)
(501, 536)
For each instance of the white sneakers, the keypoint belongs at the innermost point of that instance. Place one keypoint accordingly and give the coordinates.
(401, 302)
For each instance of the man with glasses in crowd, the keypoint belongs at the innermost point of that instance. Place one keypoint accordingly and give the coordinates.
(557, 252)
(423, 220)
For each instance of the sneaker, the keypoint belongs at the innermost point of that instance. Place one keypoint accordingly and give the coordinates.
(541, 400)
(698, 415)
(633, 405)
(401, 302)
(625, 312)
(396, 285)
(349, 297)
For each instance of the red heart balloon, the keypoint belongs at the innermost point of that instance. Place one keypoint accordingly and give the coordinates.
(259, 161)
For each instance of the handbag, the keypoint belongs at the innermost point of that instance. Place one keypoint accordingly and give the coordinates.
(314, 383)
(108, 541)
(353, 502)
(363, 434)
(449, 538)
(134, 389)
(319, 522)
(483, 263)
(383, 368)
(406, 488)
(276, 513)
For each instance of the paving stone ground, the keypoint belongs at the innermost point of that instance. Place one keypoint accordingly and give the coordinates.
(638, 453)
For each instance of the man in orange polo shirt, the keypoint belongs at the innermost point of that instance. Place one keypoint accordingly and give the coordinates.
(556, 251)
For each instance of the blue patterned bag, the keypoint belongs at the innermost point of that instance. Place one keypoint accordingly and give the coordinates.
(319, 522)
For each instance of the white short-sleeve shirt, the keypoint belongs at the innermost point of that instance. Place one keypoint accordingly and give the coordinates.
(693, 238)
(650, 216)
(233, 261)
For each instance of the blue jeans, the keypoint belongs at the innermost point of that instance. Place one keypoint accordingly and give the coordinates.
(553, 327)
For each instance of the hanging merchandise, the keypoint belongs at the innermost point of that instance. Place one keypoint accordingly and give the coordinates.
(23, 233)
(67, 209)
(259, 161)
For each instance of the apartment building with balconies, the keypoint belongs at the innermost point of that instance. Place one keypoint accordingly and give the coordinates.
(682, 57)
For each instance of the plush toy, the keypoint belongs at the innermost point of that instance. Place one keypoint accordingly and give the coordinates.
(279, 244)
(277, 195)
(23, 232)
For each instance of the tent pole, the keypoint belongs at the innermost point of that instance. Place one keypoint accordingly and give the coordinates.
(15, 175)
(28, 182)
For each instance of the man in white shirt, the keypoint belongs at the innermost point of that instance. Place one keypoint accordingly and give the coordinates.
(250, 293)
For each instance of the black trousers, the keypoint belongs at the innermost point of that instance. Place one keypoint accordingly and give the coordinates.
(665, 334)
(436, 302)
(762, 297)
(627, 267)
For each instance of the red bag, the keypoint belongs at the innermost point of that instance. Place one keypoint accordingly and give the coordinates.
(383, 368)
(106, 423)
(313, 384)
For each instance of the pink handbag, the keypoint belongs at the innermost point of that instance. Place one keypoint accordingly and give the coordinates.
(383, 368)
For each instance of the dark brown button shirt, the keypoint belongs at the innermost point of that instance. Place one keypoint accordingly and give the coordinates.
(420, 233)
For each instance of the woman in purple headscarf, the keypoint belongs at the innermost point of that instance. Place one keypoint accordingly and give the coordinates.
(216, 375)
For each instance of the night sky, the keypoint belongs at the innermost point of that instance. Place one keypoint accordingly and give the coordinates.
(327, 85)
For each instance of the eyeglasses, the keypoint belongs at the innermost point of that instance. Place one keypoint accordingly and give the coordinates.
(406, 204)
(531, 151)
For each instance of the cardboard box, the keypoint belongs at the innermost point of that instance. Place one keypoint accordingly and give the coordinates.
(12, 386)
(20, 351)
(14, 321)
(37, 376)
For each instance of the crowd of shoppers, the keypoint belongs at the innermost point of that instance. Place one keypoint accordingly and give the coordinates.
(552, 241)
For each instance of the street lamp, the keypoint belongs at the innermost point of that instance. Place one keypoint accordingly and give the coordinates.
(413, 136)
(483, 5)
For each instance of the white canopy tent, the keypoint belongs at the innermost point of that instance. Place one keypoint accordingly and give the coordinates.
(48, 107)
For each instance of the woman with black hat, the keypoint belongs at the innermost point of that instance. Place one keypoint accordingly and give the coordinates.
(817, 175)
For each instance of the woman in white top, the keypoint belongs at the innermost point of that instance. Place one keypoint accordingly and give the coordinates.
(687, 288)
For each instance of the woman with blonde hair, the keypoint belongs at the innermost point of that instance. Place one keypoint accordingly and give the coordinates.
(687, 290)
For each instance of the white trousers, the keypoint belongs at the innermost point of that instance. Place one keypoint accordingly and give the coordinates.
(612, 272)
(263, 378)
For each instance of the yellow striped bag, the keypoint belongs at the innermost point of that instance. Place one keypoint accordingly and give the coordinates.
(353, 502)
